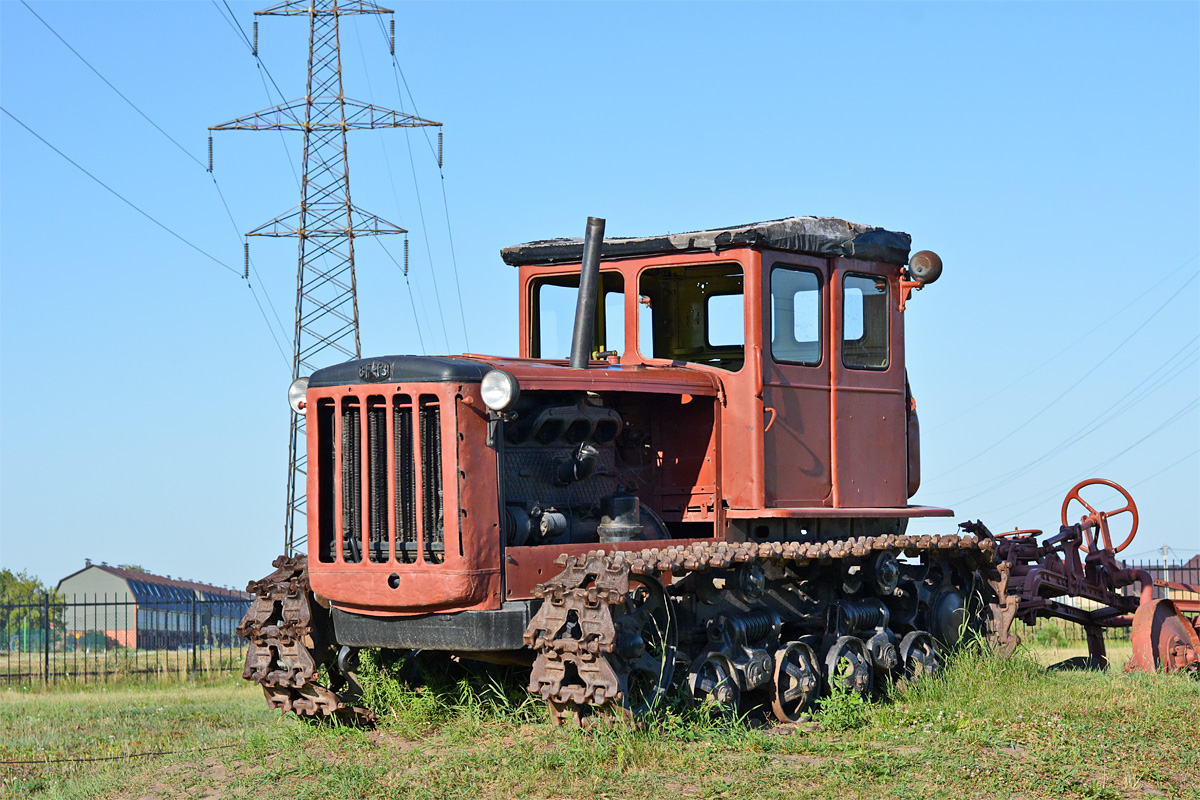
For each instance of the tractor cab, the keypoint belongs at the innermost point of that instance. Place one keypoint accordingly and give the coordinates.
(799, 322)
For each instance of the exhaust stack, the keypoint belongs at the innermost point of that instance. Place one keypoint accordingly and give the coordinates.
(589, 290)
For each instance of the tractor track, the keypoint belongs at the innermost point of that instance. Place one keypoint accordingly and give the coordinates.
(579, 669)
(289, 637)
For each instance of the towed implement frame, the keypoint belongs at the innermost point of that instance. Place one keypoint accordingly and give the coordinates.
(1080, 562)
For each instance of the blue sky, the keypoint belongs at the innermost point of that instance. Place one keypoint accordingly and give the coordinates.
(1050, 153)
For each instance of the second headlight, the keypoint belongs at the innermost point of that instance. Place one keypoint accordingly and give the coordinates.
(296, 394)
(500, 390)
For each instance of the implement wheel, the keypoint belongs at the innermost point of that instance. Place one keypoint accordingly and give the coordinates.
(1163, 639)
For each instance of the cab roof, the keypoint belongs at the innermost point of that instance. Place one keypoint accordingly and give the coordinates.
(821, 236)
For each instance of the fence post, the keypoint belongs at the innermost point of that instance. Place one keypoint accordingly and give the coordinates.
(193, 634)
(46, 636)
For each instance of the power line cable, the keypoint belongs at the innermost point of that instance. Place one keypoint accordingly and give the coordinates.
(1170, 466)
(147, 216)
(119, 196)
(412, 100)
(411, 301)
(158, 128)
(287, 151)
(242, 239)
(1085, 336)
(442, 176)
(263, 75)
(1177, 415)
(454, 261)
(250, 285)
(424, 229)
(1141, 390)
(1073, 386)
(110, 85)
(286, 363)
(233, 25)
(387, 161)
(240, 29)
(1095, 468)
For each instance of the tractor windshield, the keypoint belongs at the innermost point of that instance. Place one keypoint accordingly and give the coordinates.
(694, 313)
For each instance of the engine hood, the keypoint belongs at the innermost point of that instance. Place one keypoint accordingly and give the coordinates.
(531, 373)
(401, 369)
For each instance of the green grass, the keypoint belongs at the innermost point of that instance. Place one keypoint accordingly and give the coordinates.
(987, 728)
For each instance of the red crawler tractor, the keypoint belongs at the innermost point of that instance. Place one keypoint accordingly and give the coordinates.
(716, 480)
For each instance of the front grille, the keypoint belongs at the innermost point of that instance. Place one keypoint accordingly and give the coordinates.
(371, 473)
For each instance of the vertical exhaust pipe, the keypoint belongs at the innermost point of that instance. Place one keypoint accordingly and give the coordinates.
(589, 291)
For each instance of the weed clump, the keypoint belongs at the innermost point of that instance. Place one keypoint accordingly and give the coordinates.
(420, 690)
(842, 710)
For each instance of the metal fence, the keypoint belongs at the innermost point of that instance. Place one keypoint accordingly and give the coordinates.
(1176, 572)
(1062, 632)
(101, 639)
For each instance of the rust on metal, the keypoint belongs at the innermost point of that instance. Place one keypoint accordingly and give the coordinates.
(1080, 562)
(1162, 638)
(1099, 519)
(287, 631)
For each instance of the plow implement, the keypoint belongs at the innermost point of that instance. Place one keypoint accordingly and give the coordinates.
(1080, 562)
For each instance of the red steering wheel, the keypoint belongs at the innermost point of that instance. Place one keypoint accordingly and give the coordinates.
(1099, 519)
(1026, 532)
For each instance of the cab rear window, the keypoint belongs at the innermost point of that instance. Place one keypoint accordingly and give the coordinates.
(865, 337)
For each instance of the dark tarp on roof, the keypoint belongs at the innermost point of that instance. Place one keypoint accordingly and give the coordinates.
(821, 236)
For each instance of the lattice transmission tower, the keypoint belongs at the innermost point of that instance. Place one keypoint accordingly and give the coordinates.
(325, 222)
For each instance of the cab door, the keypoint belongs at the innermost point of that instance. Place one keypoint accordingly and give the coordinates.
(866, 351)
(795, 388)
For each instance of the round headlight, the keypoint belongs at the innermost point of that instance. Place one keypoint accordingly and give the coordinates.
(296, 393)
(925, 267)
(500, 390)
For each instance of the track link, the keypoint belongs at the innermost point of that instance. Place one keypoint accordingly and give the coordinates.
(289, 641)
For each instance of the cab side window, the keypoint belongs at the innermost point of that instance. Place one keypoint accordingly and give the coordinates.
(693, 313)
(865, 321)
(796, 315)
